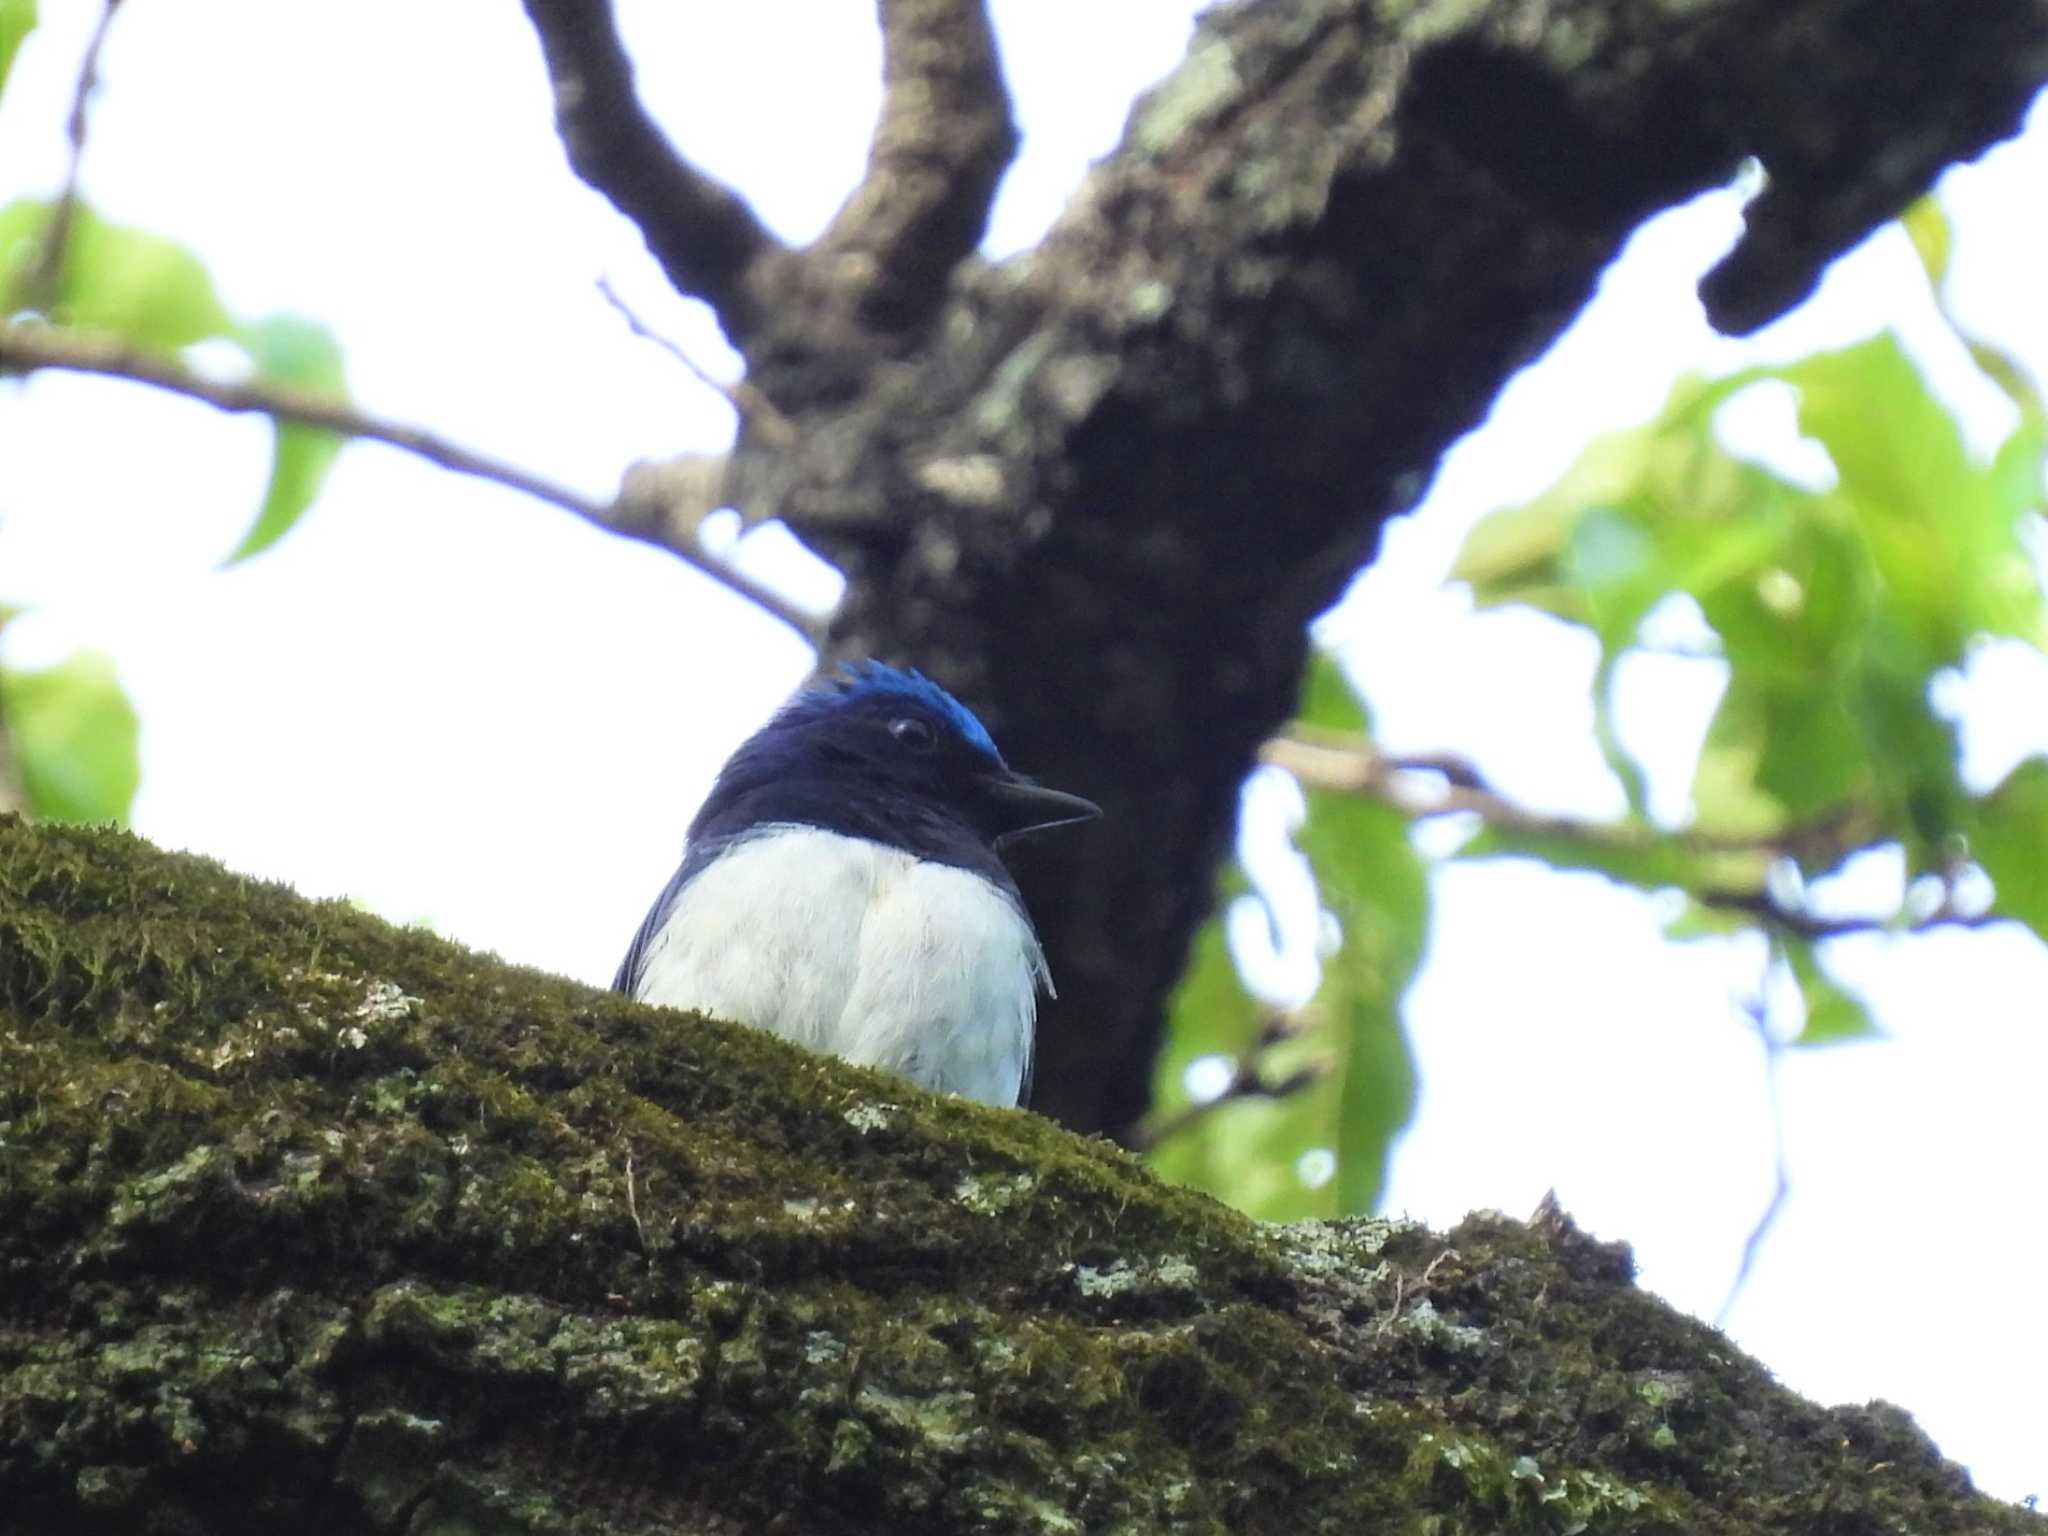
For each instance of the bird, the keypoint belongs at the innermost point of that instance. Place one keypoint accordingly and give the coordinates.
(842, 887)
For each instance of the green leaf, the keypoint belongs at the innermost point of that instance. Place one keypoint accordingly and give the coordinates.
(1943, 533)
(17, 20)
(289, 350)
(1241, 1152)
(1833, 1015)
(1370, 876)
(140, 287)
(75, 739)
(1927, 226)
(1328, 701)
(2009, 838)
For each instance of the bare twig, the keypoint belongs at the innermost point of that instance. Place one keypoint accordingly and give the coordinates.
(706, 237)
(24, 348)
(776, 429)
(943, 141)
(1348, 766)
(1358, 769)
(1248, 1080)
(1781, 1180)
(42, 282)
(1774, 913)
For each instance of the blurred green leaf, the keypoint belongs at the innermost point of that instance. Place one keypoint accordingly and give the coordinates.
(2010, 840)
(75, 739)
(1927, 226)
(1244, 1151)
(1943, 533)
(1371, 878)
(143, 288)
(17, 20)
(289, 350)
(1328, 701)
(1350, 1074)
(1833, 1016)
(151, 292)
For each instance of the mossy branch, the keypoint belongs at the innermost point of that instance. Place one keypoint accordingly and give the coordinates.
(309, 1221)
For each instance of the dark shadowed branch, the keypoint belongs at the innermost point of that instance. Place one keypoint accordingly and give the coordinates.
(26, 348)
(703, 233)
(943, 141)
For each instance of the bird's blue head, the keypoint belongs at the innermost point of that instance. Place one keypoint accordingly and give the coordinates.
(887, 755)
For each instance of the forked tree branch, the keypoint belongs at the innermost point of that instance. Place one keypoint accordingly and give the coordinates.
(704, 234)
(942, 144)
(26, 348)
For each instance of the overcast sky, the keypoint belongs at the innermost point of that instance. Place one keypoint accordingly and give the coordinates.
(457, 705)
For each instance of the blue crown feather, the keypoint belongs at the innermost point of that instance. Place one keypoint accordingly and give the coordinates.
(877, 679)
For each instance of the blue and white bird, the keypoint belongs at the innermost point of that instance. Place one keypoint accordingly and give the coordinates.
(841, 888)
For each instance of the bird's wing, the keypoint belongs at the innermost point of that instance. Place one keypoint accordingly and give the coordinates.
(632, 969)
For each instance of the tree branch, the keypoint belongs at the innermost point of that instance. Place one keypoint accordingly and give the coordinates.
(24, 349)
(1357, 769)
(943, 142)
(704, 234)
(1773, 913)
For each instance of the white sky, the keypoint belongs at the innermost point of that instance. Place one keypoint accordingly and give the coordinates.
(458, 705)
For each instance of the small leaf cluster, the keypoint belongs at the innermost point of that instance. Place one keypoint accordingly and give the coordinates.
(1839, 606)
(72, 732)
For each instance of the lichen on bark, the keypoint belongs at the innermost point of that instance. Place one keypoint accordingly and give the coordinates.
(308, 1220)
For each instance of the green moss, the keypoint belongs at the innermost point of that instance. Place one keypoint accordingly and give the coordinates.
(314, 1222)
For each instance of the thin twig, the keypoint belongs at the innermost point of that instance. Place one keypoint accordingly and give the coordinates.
(1346, 765)
(1358, 769)
(776, 429)
(24, 348)
(1781, 1184)
(1773, 913)
(1248, 1080)
(42, 282)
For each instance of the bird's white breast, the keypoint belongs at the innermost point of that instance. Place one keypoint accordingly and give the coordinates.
(861, 950)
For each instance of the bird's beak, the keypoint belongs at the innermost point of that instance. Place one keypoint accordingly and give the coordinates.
(1022, 806)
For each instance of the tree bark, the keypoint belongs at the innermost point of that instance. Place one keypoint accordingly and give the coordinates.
(1101, 490)
(312, 1223)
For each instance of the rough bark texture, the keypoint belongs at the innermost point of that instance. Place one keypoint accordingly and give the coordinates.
(309, 1223)
(1101, 490)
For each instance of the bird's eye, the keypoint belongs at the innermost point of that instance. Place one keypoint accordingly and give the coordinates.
(914, 733)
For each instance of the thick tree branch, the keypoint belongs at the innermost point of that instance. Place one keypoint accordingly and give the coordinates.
(314, 1224)
(944, 139)
(25, 348)
(706, 237)
(1105, 491)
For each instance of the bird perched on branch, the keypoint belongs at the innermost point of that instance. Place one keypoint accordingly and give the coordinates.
(841, 888)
